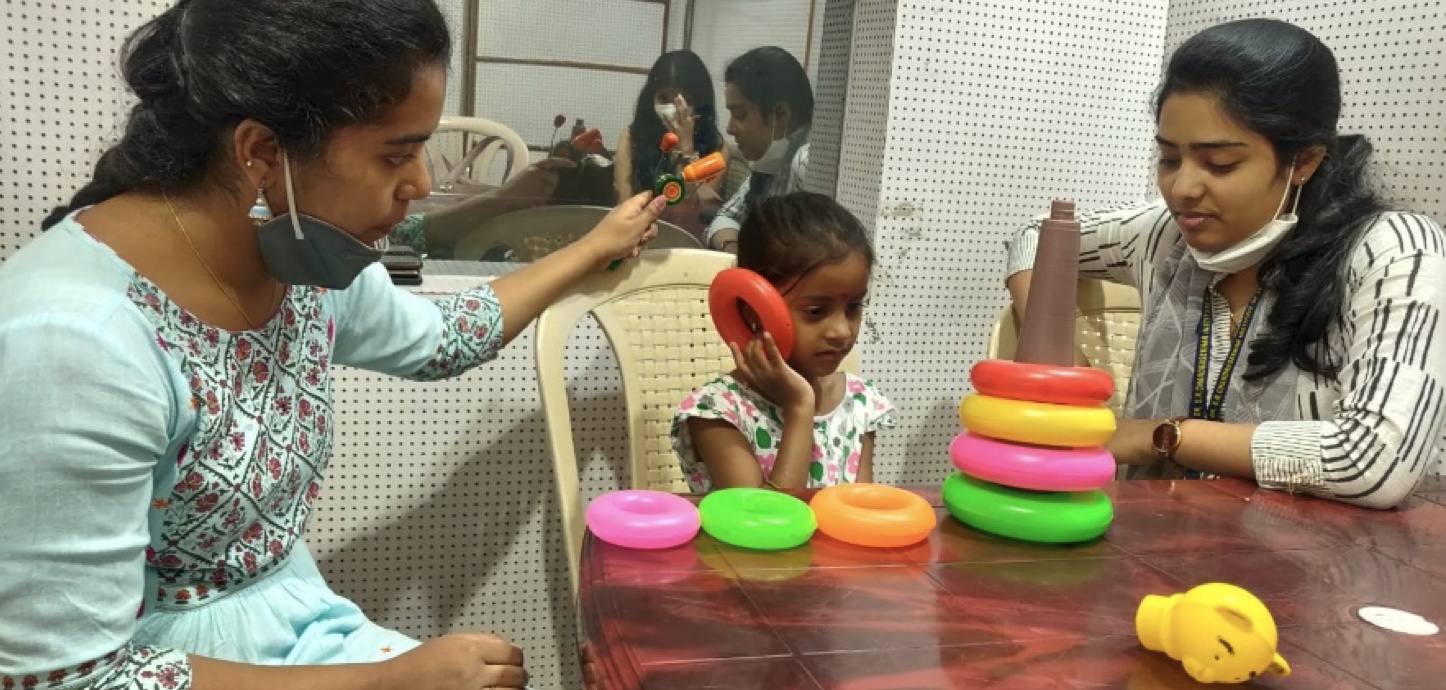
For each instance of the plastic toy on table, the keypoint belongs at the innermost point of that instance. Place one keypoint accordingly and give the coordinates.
(1032, 459)
(643, 519)
(1219, 632)
(734, 285)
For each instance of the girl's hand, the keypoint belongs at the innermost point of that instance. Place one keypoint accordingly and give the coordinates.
(625, 232)
(762, 367)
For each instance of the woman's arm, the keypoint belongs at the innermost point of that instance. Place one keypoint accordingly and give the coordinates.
(385, 329)
(1373, 446)
(730, 460)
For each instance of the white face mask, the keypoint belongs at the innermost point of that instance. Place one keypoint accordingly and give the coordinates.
(667, 112)
(1252, 250)
(775, 159)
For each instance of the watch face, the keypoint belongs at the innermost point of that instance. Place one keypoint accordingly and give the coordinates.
(1165, 437)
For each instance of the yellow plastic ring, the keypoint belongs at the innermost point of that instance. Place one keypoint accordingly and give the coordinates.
(1043, 424)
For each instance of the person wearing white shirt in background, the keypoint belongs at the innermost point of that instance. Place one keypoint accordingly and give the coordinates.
(1292, 329)
(770, 108)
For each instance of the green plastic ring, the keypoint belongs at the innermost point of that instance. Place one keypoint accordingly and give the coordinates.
(757, 519)
(1046, 517)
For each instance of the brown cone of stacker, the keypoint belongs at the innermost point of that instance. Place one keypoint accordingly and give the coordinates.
(1047, 336)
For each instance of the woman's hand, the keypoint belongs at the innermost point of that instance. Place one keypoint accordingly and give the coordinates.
(535, 185)
(682, 124)
(460, 662)
(625, 232)
(762, 367)
(1134, 441)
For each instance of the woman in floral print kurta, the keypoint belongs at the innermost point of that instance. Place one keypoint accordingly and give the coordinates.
(167, 416)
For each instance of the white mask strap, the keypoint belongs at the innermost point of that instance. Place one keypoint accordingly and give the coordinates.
(291, 197)
(1289, 187)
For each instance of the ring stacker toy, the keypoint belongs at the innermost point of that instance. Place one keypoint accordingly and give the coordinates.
(1219, 632)
(734, 285)
(642, 519)
(757, 519)
(1036, 468)
(1032, 459)
(873, 515)
(673, 187)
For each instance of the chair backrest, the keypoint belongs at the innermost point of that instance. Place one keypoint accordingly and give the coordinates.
(654, 314)
(466, 163)
(533, 233)
(1108, 323)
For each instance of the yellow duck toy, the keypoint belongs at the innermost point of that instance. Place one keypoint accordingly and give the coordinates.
(1221, 633)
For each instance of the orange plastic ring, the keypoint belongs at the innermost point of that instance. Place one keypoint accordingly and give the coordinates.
(873, 515)
(734, 284)
(1080, 386)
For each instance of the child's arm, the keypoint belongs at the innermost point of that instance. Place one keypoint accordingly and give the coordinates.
(866, 461)
(725, 452)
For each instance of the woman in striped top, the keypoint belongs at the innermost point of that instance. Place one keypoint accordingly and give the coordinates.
(1292, 329)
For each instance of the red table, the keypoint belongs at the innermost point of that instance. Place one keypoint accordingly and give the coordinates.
(967, 610)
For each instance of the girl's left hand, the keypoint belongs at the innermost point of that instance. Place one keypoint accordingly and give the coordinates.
(764, 368)
(1133, 442)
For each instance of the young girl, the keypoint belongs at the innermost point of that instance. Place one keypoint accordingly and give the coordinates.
(799, 423)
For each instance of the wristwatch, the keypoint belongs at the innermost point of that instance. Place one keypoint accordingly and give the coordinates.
(1167, 438)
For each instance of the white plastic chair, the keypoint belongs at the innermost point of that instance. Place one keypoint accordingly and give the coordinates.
(479, 158)
(1108, 324)
(654, 314)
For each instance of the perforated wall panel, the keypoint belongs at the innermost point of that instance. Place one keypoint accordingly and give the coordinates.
(1393, 79)
(996, 107)
(59, 103)
(830, 86)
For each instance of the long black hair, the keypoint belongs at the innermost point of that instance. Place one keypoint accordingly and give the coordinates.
(684, 71)
(786, 237)
(303, 68)
(1283, 83)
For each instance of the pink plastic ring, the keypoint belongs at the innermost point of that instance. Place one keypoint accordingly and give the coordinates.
(734, 284)
(642, 519)
(1002, 378)
(1032, 467)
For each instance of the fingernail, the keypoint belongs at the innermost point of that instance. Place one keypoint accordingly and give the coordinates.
(659, 203)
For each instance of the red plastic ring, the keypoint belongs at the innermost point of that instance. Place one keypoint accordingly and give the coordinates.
(734, 284)
(1002, 378)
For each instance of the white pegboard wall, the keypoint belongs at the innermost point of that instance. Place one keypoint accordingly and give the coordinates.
(996, 107)
(830, 87)
(866, 110)
(440, 510)
(1393, 79)
(59, 103)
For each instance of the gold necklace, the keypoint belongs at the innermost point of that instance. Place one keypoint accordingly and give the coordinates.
(229, 297)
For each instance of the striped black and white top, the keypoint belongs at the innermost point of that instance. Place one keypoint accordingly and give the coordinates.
(730, 215)
(1365, 436)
